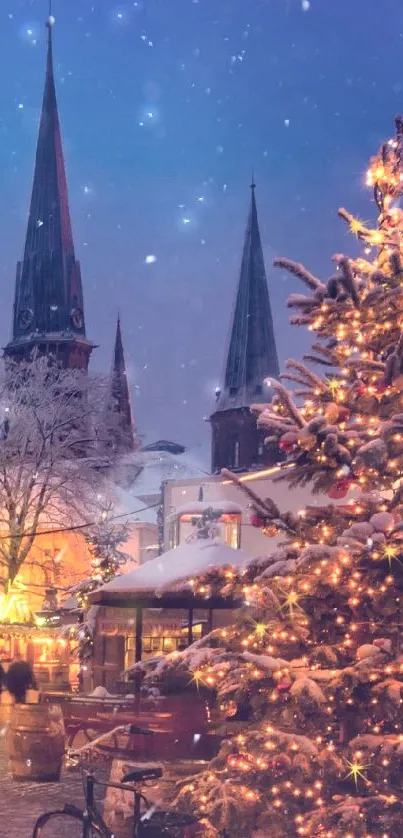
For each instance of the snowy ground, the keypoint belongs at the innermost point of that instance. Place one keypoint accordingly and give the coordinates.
(22, 803)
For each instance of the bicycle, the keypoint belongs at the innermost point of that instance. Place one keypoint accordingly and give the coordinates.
(148, 821)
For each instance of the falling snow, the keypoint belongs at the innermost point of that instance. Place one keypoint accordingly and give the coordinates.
(163, 118)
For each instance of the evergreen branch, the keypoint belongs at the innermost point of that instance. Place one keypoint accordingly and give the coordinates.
(298, 270)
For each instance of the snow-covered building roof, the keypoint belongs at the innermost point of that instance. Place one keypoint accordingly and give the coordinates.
(175, 566)
(135, 509)
(69, 604)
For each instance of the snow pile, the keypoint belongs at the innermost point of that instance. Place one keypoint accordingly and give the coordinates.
(100, 692)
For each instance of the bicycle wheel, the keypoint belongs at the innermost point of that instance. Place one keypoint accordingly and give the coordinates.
(170, 825)
(63, 824)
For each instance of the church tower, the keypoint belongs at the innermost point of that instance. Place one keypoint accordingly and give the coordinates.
(119, 412)
(48, 304)
(252, 357)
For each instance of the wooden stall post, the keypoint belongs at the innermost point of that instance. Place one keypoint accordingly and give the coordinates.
(190, 626)
(138, 643)
(139, 634)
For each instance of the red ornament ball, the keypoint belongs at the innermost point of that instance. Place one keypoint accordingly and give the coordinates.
(340, 488)
(288, 442)
(284, 685)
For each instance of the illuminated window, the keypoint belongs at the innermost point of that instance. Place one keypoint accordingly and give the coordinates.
(228, 525)
(233, 534)
(173, 538)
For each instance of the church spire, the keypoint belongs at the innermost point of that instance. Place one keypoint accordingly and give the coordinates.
(48, 306)
(120, 422)
(252, 352)
(251, 359)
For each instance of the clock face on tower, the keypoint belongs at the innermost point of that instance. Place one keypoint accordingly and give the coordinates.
(77, 318)
(25, 318)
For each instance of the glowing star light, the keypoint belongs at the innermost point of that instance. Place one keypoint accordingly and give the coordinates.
(333, 384)
(355, 226)
(356, 771)
(198, 677)
(260, 629)
(290, 602)
(390, 552)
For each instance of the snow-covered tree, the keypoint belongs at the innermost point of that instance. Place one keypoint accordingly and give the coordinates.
(105, 538)
(310, 678)
(49, 434)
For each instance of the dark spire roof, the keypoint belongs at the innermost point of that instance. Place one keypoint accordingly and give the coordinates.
(119, 407)
(48, 294)
(252, 353)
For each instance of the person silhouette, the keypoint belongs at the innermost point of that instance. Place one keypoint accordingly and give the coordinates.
(18, 679)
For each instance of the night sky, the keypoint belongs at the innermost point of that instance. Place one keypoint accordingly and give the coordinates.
(166, 106)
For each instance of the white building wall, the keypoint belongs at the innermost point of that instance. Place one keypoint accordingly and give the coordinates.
(215, 488)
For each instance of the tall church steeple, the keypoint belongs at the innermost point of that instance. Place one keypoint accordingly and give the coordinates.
(48, 304)
(120, 421)
(251, 358)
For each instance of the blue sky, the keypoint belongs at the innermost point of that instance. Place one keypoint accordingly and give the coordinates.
(166, 106)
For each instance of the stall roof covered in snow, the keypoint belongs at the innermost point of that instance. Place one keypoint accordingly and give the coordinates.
(175, 566)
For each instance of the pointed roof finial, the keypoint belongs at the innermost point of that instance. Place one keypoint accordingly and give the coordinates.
(253, 184)
(201, 494)
(51, 19)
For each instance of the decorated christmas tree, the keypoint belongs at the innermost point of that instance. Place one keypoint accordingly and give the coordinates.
(310, 678)
(104, 538)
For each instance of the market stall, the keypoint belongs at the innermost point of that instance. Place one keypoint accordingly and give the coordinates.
(158, 595)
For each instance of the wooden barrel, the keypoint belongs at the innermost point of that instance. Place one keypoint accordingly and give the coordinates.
(7, 702)
(36, 742)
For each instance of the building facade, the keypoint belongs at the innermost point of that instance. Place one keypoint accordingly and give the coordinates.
(181, 502)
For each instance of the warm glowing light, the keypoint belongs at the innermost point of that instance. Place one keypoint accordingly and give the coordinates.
(356, 770)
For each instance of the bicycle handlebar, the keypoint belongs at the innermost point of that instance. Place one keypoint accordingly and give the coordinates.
(131, 730)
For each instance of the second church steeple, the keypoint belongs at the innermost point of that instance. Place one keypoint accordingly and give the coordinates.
(119, 419)
(251, 358)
